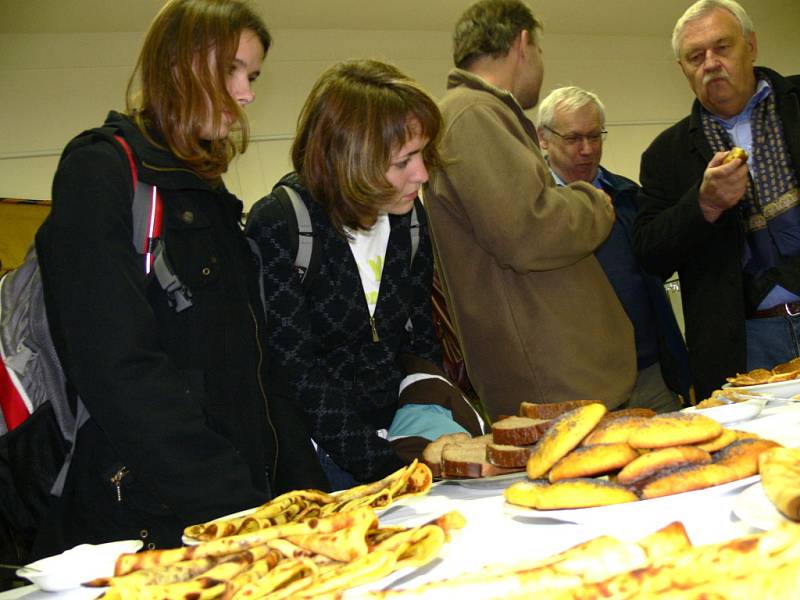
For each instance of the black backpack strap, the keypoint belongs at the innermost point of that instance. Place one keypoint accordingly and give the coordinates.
(414, 231)
(301, 234)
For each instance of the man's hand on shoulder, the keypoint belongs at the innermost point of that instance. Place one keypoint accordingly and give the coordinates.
(608, 204)
(723, 186)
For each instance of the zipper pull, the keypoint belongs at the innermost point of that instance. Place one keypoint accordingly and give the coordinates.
(117, 481)
(375, 337)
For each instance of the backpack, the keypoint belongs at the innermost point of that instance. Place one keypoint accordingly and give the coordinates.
(306, 261)
(38, 420)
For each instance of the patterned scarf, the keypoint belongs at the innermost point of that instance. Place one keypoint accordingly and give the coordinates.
(771, 206)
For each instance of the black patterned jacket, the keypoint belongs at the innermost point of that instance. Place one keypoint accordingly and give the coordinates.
(345, 382)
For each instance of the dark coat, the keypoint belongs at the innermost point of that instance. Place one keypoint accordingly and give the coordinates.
(180, 400)
(345, 382)
(672, 355)
(671, 235)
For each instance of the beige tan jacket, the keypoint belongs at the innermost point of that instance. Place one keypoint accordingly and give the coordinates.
(537, 317)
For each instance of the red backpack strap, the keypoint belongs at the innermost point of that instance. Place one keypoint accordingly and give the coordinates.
(147, 212)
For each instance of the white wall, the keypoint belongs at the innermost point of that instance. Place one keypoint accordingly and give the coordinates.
(53, 86)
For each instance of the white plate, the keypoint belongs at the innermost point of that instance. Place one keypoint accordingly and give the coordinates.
(629, 511)
(495, 482)
(71, 568)
(731, 413)
(754, 508)
(779, 389)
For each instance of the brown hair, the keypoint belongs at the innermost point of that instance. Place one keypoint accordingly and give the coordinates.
(356, 115)
(489, 28)
(182, 69)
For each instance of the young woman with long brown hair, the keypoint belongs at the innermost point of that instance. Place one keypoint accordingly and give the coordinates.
(182, 426)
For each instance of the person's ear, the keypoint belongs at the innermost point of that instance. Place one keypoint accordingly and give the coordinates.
(522, 44)
(752, 44)
(542, 138)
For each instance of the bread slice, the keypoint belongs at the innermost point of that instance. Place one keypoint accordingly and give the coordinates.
(519, 431)
(551, 410)
(469, 460)
(509, 456)
(432, 454)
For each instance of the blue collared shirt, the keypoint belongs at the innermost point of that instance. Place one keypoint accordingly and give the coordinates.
(739, 127)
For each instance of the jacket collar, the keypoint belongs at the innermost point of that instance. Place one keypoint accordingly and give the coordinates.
(467, 79)
(155, 162)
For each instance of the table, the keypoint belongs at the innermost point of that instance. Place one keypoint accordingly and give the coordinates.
(493, 537)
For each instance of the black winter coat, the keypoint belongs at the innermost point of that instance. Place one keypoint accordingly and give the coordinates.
(344, 380)
(183, 425)
(671, 235)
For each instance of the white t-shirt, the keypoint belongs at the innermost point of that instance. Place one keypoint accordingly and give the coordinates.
(369, 250)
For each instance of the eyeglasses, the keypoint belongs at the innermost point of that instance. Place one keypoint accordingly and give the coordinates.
(573, 139)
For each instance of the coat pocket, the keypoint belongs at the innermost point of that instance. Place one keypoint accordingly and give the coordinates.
(191, 247)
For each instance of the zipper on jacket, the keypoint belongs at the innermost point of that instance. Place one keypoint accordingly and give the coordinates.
(271, 477)
(116, 480)
(375, 337)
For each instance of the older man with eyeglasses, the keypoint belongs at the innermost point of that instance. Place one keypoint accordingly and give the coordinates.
(731, 229)
(536, 316)
(571, 128)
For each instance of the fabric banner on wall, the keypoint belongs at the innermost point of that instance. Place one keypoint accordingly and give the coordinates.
(19, 220)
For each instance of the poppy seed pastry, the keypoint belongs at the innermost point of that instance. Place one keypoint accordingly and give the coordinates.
(674, 429)
(687, 479)
(650, 464)
(728, 436)
(742, 455)
(564, 434)
(588, 461)
(614, 431)
(568, 493)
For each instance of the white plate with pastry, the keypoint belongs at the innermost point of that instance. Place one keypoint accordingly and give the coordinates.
(629, 511)
(731, 413)
(779, 389)
(68, 570)
(493, 482)
(754, 508)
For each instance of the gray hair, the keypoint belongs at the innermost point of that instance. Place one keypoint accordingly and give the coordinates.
(568, 98)
(700, 9)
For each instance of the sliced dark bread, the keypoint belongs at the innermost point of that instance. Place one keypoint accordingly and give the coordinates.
(504, 455)
(518, 431)
(432, 454)
(469, 460)
(551, 410)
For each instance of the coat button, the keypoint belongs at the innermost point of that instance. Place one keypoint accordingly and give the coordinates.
(187, 217)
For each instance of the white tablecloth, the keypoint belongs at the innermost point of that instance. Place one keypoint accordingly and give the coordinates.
(492, 536)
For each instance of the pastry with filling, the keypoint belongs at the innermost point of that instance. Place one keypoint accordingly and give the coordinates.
(588, 461)
(563, 435)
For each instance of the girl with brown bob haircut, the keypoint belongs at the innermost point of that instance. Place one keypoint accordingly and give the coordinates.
(354, 339)
(356, 114)
(164, 347)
